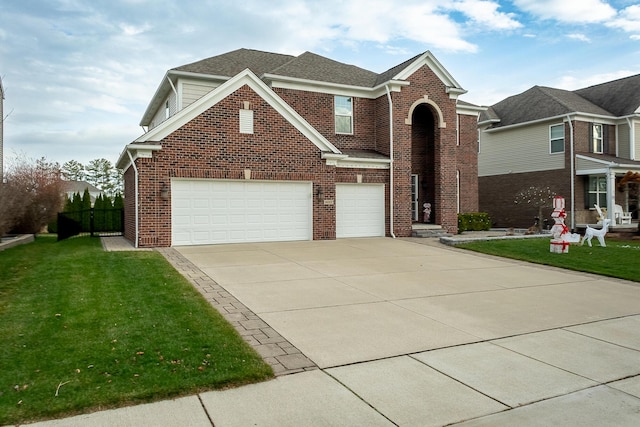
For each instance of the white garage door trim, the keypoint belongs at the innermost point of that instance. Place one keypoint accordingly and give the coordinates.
(360, 210)
(212, 211)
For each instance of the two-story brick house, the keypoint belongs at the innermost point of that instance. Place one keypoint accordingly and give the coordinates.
(254, 146)
(579, 144)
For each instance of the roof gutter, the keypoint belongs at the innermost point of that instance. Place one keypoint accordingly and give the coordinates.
(546, 119)
(390, 162)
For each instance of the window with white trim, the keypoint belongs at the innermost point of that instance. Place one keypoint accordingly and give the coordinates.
(167, 112)
(556, 138)
(596, 138)
(596, 191)
(343, 109)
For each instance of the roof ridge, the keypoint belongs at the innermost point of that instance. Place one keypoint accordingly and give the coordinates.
(547, 90)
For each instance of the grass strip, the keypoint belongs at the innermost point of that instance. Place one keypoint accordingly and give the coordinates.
(618, 259)
(83, 329)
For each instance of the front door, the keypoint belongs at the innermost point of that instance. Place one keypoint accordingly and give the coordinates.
(414, 197)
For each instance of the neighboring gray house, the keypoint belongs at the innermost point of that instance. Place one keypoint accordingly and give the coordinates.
(577, 143)
(72, 187)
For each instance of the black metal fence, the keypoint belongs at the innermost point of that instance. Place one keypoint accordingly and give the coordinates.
(96, 222)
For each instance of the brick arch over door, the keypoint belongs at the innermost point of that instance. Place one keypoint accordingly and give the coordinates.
(425, 136)
(432, 104)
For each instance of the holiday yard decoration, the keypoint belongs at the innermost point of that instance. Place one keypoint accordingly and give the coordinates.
(562, 238)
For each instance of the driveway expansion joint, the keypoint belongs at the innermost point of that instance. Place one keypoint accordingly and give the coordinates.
(283, 356)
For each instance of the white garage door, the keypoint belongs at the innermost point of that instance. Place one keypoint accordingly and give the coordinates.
(223, 211)
(359, 210)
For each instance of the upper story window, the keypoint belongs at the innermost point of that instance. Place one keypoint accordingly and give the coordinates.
(343, 109)
(556, 139)
(596, 138)
(166, 110)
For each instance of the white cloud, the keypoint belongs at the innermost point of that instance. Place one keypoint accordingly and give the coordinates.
(134, 30)
(486, 13)
(628, 19)
(575, 11)
(318, 24)
(579, 36)
(572, 82)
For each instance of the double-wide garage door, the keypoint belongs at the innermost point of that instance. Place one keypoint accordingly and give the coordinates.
(207, 211)
(223, 211)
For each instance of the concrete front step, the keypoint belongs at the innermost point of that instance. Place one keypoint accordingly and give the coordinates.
(429, 232)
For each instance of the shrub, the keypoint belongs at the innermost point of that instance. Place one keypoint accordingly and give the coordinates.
(473, 221)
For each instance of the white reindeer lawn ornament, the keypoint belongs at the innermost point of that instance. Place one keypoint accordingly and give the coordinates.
(594, 232)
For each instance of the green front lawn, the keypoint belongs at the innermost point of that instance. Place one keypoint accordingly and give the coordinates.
(83, 329)
(619, 259)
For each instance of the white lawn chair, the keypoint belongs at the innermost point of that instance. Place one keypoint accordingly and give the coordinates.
(621, 216)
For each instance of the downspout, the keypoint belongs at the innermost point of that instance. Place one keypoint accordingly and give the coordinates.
(573, 176)
(632, 140)
(135, 170)
(391, 162)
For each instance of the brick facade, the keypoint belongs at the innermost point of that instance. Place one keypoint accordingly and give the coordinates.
(211, 146)
(497, 197)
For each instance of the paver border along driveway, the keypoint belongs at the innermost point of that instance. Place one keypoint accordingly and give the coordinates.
(424, 334)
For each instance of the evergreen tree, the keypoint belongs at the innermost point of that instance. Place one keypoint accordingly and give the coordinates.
(118, 207)
(77, 202)
(73, 171)
(68, 205)
(86, 210)
(102, 174)
(99, 214)
(118, 201)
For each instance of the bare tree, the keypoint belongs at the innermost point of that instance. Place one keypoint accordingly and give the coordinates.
(11, 207)
(36, 194)
(538, 198)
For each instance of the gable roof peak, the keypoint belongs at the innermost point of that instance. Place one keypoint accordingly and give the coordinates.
(407, 68)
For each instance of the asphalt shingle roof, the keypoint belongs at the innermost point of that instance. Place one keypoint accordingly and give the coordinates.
(231, 63)
(621, 97)
(308, 66)
(615, 99)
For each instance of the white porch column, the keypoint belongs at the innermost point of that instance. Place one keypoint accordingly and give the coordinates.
(611, 195)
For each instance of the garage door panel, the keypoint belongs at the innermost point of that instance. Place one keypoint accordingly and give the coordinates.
(219, 211)
(360, 210)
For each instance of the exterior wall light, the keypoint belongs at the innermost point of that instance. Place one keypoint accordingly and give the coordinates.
(164, 192)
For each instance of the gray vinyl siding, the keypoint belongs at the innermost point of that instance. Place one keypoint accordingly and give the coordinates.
(623, 141)
(523, 149)
(588, 165)
(160, 115)
(192, 91)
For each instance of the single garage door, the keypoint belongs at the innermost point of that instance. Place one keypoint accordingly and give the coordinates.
(359, 210)
(224, 211)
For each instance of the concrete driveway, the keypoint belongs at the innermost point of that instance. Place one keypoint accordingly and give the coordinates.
(407, 333)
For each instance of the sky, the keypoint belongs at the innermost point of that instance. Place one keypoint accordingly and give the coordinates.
(78, 75)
